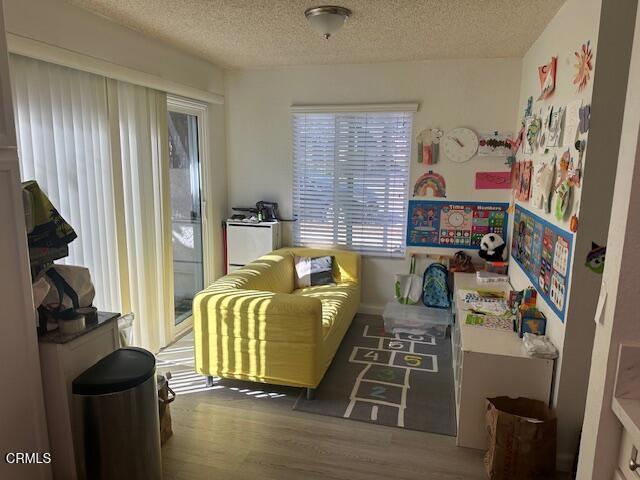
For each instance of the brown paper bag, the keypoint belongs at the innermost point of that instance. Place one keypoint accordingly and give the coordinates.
(165, 397)
(521, 437)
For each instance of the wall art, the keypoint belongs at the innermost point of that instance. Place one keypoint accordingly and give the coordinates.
(554, 137)
(544, 177)
(547, 76)
(430, 181)
(523, 186)
(438, 223)
(495, 143)
(583, 66)
(543, 251)
(428, 145)
(493, 180)
(585, 119)
(595, 258)
(572, 122)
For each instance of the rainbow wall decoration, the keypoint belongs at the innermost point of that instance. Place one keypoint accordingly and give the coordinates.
(430, 181)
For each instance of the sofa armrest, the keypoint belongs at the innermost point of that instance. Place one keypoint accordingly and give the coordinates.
(258, 315)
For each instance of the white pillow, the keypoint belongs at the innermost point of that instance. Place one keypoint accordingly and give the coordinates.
(310, 271)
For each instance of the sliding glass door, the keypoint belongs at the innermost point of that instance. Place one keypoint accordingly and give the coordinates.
(186, 211)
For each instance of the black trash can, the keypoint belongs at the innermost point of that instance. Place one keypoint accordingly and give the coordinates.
(117, 402)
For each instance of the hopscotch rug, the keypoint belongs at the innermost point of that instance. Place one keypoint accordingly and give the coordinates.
(398, 380)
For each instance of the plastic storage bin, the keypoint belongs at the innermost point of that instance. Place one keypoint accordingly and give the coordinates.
(416, 319)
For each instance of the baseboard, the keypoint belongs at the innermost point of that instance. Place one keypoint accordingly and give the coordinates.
(371, 309)
(564, 462)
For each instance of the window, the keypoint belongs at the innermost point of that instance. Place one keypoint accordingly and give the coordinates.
(350, 180)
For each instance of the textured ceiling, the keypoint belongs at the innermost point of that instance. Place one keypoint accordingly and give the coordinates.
(263, 33)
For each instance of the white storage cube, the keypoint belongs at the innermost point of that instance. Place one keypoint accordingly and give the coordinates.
(416, 319)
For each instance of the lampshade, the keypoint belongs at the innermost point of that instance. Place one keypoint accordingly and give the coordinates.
(328, 19)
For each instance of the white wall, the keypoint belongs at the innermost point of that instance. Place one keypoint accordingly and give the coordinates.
(480, 94)
(576, 22)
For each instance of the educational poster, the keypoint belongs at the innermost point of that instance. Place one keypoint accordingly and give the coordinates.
(436, 223)
(544, 253)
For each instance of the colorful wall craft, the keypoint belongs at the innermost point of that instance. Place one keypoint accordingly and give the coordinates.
(543, 251)
(547, 75)
(522, 179)
(430, 181)
(438, 223)
(428, 145)
(493, 180)
(583, 66)
(495, 143)
(595, 258)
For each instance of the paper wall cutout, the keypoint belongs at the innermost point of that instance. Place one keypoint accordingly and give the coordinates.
(547, 76)
(583, 66)
(595, 258)
(572, 122)
(496, 143)
(585, 118)
(428, 145)
(554, 136)
(543, 185)
(430, 181)
(493, 180)
(523, 186)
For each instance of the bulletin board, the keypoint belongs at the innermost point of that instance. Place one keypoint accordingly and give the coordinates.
(437, 223)
(543, 251)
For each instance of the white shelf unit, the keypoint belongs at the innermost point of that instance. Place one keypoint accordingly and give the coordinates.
(248, 241)
(489, 363)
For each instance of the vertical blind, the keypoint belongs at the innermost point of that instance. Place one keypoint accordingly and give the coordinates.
(99, 149)
(350, 180)
(63, 142)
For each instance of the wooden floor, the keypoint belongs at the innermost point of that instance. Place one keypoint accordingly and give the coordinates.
(238, 430)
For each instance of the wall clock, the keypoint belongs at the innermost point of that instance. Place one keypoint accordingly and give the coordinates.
(460, 144)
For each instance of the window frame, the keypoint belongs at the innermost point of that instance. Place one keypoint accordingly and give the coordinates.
(176, 103)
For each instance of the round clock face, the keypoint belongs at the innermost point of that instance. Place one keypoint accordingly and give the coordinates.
(460, 144)
(456, 219)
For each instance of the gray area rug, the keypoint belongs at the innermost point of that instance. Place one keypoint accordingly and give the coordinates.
(397, 380)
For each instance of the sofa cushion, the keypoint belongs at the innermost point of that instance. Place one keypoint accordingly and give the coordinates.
(335, 301)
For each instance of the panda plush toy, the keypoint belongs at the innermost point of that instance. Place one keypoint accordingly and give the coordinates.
(492, 248)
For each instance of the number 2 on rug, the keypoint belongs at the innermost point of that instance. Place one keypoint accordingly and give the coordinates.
(378, 391)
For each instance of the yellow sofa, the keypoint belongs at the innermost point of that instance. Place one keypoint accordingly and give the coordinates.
(253, 325)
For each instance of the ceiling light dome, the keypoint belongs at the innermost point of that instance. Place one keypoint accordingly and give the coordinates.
(327, 19)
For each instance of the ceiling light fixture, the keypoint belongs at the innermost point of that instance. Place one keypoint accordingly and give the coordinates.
(327, 19)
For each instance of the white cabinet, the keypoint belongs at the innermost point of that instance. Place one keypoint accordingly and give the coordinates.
(62, 359)
(248, 241)
(490, 363)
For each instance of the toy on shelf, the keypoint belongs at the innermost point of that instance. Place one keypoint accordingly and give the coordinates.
(531, 320)
(461, 262)
(492, 248)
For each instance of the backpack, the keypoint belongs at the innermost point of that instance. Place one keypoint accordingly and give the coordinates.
(435, 286)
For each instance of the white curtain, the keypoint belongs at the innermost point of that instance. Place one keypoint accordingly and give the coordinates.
(143, 131)
(63, 143)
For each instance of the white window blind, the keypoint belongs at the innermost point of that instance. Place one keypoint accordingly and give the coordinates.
(350, 180)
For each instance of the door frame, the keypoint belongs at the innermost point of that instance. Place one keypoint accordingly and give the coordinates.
(200, 110)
